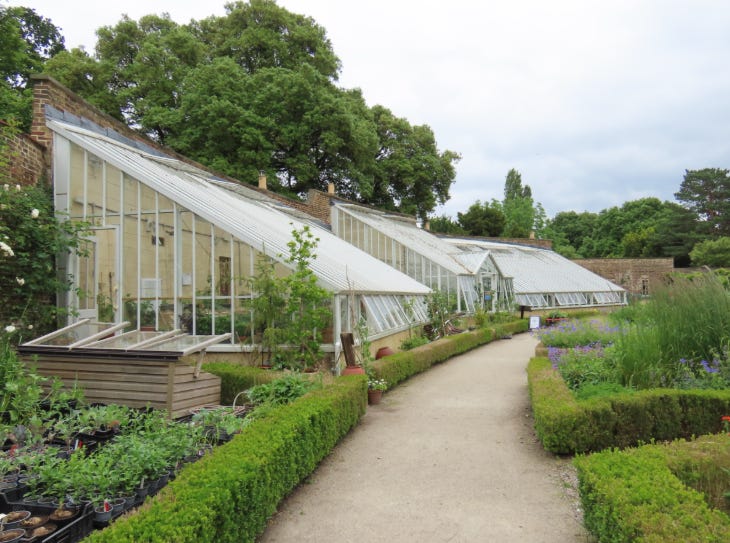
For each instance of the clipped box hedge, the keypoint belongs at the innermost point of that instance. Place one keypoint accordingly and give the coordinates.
(566, 425)
(654, 493)
(398, 367)
(229, 494)
(236, 378)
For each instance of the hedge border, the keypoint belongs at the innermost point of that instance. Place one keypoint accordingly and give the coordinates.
(398, 367)
(636, 494)
(566, 425)
(229, 495)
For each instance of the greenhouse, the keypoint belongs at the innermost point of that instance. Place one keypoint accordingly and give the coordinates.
(542, 279)
(175, 247)
(466, 277)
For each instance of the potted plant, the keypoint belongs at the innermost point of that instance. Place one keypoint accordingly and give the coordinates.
(376, 387)
(555, 317)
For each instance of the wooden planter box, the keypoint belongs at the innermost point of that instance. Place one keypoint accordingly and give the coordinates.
(163, 382)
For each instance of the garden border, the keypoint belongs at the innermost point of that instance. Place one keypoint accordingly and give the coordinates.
(229, 495)
(566, 425)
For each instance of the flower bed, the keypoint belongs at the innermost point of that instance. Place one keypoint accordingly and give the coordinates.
(656, 493)
(566, 425)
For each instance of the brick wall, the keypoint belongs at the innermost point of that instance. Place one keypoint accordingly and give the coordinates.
(637, 275)
(25, 158)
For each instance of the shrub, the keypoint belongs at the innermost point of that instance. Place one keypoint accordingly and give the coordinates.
(637, 495)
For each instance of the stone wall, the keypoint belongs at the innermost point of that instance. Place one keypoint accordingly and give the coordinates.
(639, 276)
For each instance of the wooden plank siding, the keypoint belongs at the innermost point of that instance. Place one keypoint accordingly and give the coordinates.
(135, 382)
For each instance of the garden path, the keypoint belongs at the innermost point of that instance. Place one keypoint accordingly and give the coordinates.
(449, 455)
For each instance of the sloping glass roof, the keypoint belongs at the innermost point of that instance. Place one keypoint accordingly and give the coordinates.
(339, 266)
(407, 233)
(538, 271)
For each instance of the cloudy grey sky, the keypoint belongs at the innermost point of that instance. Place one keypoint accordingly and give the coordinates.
(595, 103)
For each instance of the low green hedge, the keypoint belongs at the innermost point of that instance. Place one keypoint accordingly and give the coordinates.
(228, 495)
(636, 495)
(236, 378)
(400, 366)
(566, 425)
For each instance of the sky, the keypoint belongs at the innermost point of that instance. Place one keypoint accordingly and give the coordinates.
(595, 103)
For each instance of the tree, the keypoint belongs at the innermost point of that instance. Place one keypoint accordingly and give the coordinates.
(259, 34)
(26, 41)
(518, 208)
(410, 174)
(445, 225)
(713, 253)
(485, 219)
(706, 192)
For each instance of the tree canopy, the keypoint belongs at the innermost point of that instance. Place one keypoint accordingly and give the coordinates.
(256, 90)
(706, 192)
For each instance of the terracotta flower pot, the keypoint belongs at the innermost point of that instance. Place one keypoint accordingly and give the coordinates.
(374, 396)
(353, 370)
(383, 351)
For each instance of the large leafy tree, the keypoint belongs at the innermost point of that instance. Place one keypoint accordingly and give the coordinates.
(410, 173)
(483, 219)
(27, 40)
(256, 90)
(706, 192)
(259, 34)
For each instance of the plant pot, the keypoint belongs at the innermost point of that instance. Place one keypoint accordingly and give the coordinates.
(374, 396)
(383, 352)
(9, 536)
(117, 506)
(14, 518)
(100, 515)
(353, 370)
(63, 515)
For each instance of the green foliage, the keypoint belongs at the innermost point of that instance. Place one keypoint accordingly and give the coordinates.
(713, 253)
(645, 494)
(26, 41)
(236, 378)
(445, 225)
(705, 192)
(688, 319)
(577, 332)
(413, 342)
(518, 207)
(30, 239)
(485, 219)
(229, 495)
(254, 90)
(282, 390)
(566, 425)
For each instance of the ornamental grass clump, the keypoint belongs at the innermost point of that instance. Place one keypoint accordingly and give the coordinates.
(688, 319)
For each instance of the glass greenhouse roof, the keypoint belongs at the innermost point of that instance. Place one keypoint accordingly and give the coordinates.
(543, 278)
(339, 266)
(407, 233)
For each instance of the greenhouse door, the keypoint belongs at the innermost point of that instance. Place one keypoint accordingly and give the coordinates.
(97, 276)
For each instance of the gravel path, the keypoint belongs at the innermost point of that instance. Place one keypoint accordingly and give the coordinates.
(449, 455)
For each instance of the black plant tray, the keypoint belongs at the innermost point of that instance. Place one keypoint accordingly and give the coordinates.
(70, 531)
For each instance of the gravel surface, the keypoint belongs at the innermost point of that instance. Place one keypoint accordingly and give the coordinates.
(449, 455)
